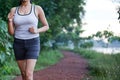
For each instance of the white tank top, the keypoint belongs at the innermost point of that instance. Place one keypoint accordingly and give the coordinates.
(24, 22)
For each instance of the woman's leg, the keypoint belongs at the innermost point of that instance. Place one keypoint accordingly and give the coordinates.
(30, 64)
(22, 66)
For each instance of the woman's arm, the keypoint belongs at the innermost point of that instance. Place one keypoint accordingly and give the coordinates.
(10, 21)
(42, 18)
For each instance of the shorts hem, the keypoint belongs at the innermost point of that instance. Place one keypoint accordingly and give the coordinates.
(26, 59)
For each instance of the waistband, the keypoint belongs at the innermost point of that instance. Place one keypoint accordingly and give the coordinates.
(26, 39)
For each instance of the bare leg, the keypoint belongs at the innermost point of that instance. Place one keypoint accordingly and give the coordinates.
(30, 64)
(22, 66)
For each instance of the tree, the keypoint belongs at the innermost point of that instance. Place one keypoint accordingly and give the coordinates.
(5, 6)
(104, 35)
(118, 10)
(60, 14)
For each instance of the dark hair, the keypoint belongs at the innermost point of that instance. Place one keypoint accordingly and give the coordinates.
(22, 1)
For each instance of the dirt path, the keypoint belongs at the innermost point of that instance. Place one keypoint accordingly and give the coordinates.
(71, 67)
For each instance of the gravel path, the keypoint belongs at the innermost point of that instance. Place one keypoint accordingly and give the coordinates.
(71, 67)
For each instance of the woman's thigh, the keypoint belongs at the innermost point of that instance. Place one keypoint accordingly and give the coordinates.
(30, 65)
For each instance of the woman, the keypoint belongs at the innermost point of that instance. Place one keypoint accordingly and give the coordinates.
(22, 23)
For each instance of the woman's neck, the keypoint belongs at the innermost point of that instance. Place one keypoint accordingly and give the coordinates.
(25, 3)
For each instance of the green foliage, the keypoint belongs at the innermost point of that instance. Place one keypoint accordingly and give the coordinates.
(60, 14)
(5, 49)
(5, 46)
(86, 45)
(89, 54)
(114, 38)
(109, 35)
(5, 6)
(105, 34)
(99, 34)
(71, 34)
(102, 66)
(48, 58)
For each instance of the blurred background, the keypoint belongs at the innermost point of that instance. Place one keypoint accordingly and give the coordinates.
(77, 25)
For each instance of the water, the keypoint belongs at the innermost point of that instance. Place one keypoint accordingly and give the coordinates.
(107, 50)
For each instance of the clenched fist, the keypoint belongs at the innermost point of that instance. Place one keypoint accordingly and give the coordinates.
(33, 30)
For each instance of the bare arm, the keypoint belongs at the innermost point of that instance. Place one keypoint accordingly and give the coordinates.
(42, 18)
(10, 21)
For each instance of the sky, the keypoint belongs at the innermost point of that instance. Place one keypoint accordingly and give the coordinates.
(100, 15)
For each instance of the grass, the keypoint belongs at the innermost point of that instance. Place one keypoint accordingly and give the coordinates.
(10, 71)
(46, 58)
(102, 66)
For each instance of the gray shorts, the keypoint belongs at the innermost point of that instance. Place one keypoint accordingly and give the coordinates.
(26, 49)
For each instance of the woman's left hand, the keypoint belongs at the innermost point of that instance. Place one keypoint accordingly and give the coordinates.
(33, 30)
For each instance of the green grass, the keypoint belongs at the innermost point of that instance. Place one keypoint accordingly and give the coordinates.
(102, 66)
(9, 70)
(46, 58)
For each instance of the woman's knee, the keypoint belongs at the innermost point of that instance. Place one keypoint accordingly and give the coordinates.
(23, 73)
(29, 75)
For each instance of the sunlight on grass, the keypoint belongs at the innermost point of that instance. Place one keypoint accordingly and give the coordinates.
(102, 66)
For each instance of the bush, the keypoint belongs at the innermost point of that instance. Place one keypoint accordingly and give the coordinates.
(5, 49)
(86, 45)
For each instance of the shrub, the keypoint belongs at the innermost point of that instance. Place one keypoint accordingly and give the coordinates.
(86, 45)
(5, 48)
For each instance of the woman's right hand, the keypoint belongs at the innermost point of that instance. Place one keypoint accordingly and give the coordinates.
(11, 14)
(10, 21)
(10, 17)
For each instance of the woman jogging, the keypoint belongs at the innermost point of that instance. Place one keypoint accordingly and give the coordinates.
(23, 25)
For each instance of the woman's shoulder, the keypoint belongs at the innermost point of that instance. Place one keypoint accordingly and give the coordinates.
(38, 7)
(13, 9)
